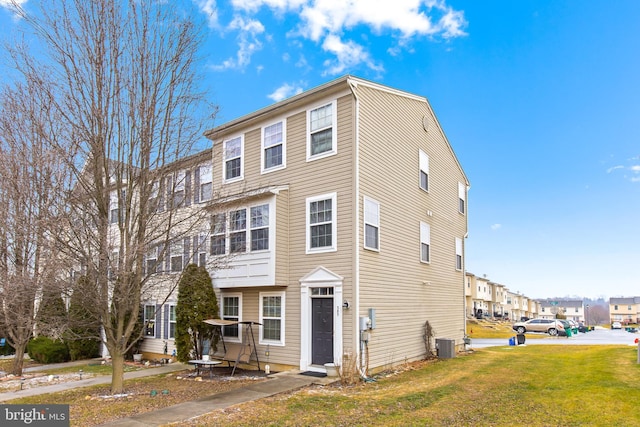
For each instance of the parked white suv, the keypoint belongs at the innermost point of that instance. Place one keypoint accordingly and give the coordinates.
(549, 326)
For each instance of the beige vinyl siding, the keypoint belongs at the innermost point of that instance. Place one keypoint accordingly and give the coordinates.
(404, 291)
(304, 179)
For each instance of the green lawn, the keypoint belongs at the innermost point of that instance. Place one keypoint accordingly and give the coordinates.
(524, 385)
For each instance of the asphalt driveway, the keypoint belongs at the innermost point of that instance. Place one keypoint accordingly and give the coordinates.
(599, 336)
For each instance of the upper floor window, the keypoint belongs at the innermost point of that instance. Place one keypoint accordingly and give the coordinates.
(425, 243)
(204, 183)
(201, 249)
(257, 237)
(458, 253)
(238, 231)
(154, 201)
(177, 252)
(615, 307)
(273, 146)
(152, 260)
(321, 223)
(179, 190)
(371, 224)
(424, 171)
(231, 308)
(321, 131)
(233, 167)
(461, 198)
(260, 228)
(117, 206)
(218, 234)
(272, 317)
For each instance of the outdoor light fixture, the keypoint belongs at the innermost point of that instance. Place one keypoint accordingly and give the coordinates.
(21, 383)
(80, 372)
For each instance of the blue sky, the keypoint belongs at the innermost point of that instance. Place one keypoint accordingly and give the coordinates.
(539, 99)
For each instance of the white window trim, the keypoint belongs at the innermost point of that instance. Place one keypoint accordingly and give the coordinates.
(284, 147)
(224, 160)
(206, 170)
(146, 321)
(169, 321)
(176, 246)
(334, 223)
(281, 342)
(250, 228)
(462, 197)
(374, 222)
(424, 167)
(334, 131)
(233, 295)
(459, 254)
(425, 238)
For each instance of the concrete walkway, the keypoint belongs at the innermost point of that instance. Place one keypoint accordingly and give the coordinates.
(278, 383)
(275, 384)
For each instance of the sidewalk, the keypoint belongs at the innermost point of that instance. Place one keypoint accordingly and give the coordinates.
(101, 379)
(278, 383)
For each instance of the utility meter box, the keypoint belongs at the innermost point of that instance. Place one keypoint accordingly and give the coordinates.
(446, 348)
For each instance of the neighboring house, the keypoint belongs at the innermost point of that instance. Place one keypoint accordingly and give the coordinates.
(480, 300)
(339, 209)
(625, 310)
(573, 309)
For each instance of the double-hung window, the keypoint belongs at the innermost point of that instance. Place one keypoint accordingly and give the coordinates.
(260, 228)
(205, 185)
(461, 197)
(218, 234)
(321, 223)
(152, 260)
(153, 197)
(233, 167)
(149, 320)
(172, 321)
(458, 253)
(179, 190)
(116, 206)
(321, 131)
(231, 308)
(371, 224)
(177, 252)
(424, 171)
(238, 231)
(272, 318)
(425, 242)
(201, 250)
(273, 146)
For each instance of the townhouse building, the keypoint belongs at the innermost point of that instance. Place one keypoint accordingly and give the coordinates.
(572, 309)
(336, 220)
(624, 309)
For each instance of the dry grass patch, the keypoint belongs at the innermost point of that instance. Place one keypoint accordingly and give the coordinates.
(525, 385)
(92, 406)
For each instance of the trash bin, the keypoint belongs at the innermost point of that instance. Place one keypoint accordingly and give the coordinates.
(521, 339)
(512, 341)
(568, 331)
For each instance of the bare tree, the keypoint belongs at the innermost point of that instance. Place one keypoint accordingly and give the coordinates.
(30, 173)
(127, 93)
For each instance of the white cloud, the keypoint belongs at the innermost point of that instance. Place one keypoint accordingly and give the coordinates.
(495, 227)
(611, 169)
(248, 43)
(635, 168)
(210, 9)
(347, 55)
(285, 91)
(326, 23)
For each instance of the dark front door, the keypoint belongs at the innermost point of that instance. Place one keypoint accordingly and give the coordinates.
(321, 331)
